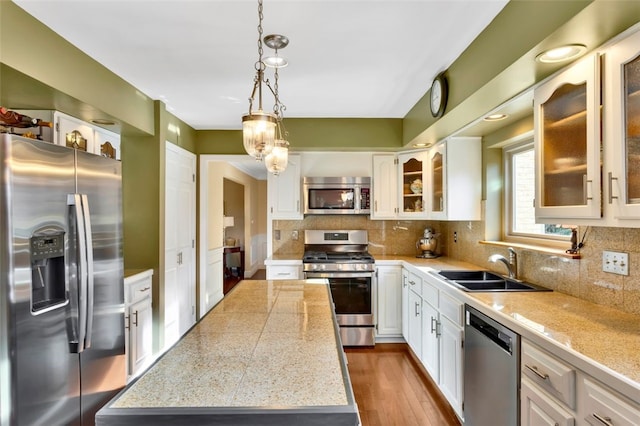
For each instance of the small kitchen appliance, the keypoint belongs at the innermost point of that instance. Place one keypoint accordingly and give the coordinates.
(427, 245)
(342, 258)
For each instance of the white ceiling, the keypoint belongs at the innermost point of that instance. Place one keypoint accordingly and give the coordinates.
(347, 58)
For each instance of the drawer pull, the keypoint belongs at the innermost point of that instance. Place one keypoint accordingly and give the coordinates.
(283, 274)
(144, 289)
(434, 325)
(412, 282)
(534, 369)
(417, 309)
(604, 420)
(127, 326)
(136, 320)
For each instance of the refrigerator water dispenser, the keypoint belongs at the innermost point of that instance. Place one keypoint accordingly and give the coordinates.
(48, 289)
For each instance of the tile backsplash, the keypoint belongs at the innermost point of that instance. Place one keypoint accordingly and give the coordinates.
(582, 278)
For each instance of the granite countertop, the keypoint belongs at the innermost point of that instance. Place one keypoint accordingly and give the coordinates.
(266, 354)
(602, 341)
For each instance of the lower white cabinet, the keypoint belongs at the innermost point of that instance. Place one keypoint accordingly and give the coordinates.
(284, 272)
(389, 301)
(415, 322)
(404, 311)
(553, 392)
(538, 409)
(451, 359)
(138, 322)
(435, 331)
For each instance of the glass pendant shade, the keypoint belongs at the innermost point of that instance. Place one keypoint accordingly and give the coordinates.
(276, 161)
(258, 134)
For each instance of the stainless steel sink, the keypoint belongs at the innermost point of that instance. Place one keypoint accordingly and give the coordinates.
(476, 281)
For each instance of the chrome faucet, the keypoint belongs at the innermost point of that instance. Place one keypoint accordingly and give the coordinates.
(512, 263)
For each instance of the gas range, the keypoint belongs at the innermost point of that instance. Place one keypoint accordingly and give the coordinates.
(340, 251)
(341, 257)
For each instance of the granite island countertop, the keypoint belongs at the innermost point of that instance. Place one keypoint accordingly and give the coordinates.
(267, 354)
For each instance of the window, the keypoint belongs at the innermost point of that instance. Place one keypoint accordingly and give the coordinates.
(519, 195)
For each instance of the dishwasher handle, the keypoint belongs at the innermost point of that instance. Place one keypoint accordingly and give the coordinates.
(483, 326)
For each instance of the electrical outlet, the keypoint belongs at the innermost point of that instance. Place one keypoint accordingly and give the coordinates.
(294, 235)
(455, 237)
(615, 262)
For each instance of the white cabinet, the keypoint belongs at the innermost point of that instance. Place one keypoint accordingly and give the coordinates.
(412, 169)
(622, 131)
(72, 132)
(430, 340)
(405, 304)
(537, 409)
(414, 313)
(567, 144)
(284, 272)
(389, 315)
(602, 406)
(138, 321)
(555, 392)
(455, 168)
(451, 360)
(284, 193)
(384, 187)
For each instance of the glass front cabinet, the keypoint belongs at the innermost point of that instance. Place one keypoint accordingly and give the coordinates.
(567, 144)
(412, 167)
(622, 131)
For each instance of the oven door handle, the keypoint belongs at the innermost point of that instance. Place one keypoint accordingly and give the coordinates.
(339, 274)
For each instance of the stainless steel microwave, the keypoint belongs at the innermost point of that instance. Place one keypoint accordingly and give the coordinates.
(337, 195)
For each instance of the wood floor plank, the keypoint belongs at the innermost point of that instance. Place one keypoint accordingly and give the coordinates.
(392, 389)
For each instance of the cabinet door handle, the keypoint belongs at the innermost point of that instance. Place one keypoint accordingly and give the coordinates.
(417, 309)
(611, 179)
(142, 290)
(433, 325)
(534, 369)
(298, 206)
(604, 420)
(127, 324)
(136, 320)
(586, 183)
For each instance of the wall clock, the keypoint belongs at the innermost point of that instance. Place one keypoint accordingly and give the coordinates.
(439, 93)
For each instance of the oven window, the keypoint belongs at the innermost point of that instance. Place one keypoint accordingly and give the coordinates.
(351, 295)
(326, 198)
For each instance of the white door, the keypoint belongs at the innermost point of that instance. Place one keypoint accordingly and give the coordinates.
(180, 220)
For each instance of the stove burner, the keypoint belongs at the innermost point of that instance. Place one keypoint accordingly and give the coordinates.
(337, 257)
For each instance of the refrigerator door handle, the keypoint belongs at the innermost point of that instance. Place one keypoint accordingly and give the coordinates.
(75, 200)
(88, 236)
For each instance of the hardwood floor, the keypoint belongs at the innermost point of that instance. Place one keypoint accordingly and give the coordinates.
(392, 389)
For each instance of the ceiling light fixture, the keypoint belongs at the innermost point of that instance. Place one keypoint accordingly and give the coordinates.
(561, 54)
(495, 117)
(260, 128)
(276, 41)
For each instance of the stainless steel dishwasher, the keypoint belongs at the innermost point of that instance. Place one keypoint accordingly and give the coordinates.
(491, 372)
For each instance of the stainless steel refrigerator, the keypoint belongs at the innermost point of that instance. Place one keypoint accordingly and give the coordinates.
(61, 296)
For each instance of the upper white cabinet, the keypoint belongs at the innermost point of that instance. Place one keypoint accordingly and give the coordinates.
(384, 187)
(622, 130)
(283, 192)
(412, 173)
(455, 179)
(72, 132)
(567, 143)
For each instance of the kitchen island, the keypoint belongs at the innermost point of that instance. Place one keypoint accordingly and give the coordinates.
(268, 354)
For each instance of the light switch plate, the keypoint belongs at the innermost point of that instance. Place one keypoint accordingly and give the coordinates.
(615, 262)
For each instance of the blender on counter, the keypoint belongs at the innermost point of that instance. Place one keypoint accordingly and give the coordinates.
(427, 245)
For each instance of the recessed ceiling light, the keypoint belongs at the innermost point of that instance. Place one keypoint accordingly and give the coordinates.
(421, 145)
(103, 121)
(495, 117)
(561, 54)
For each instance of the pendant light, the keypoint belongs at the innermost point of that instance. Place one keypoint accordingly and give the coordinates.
(263, 133)
(258, 127)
